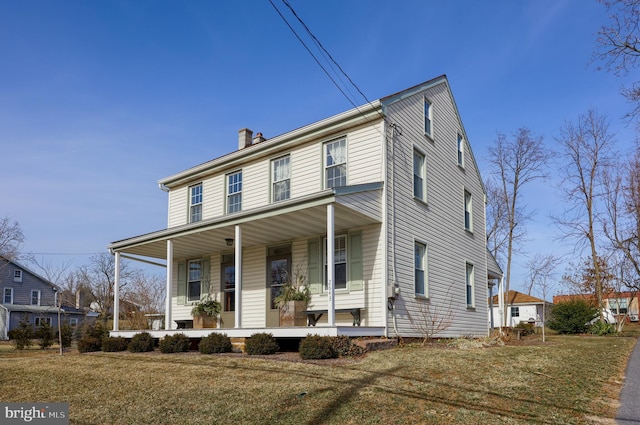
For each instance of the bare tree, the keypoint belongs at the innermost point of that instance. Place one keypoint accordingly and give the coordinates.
(587, 153)
(618, 45)
(148, 293)
(515, 163)
(497, 231)
(11, 238)
(542, 269)
(621, 223)
(99, 278)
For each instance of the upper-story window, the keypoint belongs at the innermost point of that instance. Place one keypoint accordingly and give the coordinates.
(460, 150)
(194, 280)
(420, 269)
(335, 163)
(428, 118)
(35, 297)
(7, 296)
(17, 275)
(470, 286)
(195, 203)
(468, 208)
(234, 192)
(280, 176)
(419, 172)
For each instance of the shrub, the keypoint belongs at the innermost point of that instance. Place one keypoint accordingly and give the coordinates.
(66, 332)
(346, 348)
(113, 344)
(177, 343)
(21, 336)
(572, 317)
(602, 328)
(45, 335)
(141, 342)
(525, 328)
(317, 347)
(95, 330)
(261, 343)
(215, 343)
(89, 343)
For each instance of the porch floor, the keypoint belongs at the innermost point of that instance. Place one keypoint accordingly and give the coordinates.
(279, 332)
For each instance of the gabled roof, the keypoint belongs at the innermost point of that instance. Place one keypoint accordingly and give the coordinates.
(518, 298)
(31, 272)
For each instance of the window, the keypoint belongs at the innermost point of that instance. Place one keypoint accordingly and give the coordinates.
(419, 172)
(618, 305)
(428, 121)
(460, 151)
(420, 269)
(468, 206)
(35, 297)
(17, 275)
(194, 280)
(43, 321)
(234, 192)
(195, 203)
(340, 262)
(515, 311)
(281, 186)
(7, 297)
(228, 282)
(73, 322)
(469, 284)
(335, 163)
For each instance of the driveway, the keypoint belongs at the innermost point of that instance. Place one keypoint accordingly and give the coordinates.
(629, 411)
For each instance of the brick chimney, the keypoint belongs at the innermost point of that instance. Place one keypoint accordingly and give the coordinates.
(259, 138)
(245, 137)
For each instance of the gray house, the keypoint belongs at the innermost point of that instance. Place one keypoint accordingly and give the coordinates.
(379, 210)
(27, 296)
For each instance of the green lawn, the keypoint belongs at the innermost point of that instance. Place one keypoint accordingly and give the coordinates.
(568, 380)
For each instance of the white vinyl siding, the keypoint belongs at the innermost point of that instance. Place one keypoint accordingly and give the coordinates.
(439, 227)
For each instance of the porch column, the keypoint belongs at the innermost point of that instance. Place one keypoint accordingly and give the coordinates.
(501, 303)
(331, 265)
(167, 302)
(116, 294)
(238, 277)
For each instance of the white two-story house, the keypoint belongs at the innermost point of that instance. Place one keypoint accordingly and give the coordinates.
(380, 208)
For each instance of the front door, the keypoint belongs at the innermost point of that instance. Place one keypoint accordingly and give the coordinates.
(228, 291)
(278, 273)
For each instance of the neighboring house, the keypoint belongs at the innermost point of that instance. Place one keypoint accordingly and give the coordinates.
(25, 295)
(389, 194)
(623, 305)
(521, 308)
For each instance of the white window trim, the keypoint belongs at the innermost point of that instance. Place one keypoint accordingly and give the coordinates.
(192, 204)
(42, 319)
(468, 207)
(31, 298)
(325, 167)
(17, 275)
(325, 265)
(469, 281)
(460, 147)
(187, 294)
(425, 269)
(229, 195)
(3, 293)
(420, 152)
(429, 133)
(274, 181)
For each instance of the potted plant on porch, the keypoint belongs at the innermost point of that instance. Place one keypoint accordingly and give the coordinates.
(293, 301)
(205, 313)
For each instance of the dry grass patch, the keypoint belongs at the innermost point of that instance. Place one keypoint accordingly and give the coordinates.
(569, 380)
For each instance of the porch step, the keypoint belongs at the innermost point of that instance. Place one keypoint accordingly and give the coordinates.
(376, 344)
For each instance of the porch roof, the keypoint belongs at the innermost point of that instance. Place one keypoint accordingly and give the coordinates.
(355, 206)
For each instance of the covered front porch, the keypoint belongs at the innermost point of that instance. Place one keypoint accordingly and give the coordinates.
(241, 252)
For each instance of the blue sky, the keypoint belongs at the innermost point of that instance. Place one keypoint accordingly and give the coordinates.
(99, 100)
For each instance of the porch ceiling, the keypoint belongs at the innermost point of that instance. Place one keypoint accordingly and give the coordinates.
(262, 226)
